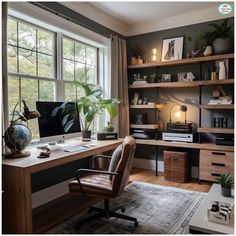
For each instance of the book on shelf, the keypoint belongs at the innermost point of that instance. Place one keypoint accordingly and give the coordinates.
(140, 82)
(220, 101)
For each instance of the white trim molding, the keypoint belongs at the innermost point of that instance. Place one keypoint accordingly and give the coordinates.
(189, 18)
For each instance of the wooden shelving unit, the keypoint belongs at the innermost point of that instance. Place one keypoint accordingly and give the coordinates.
(183, 84)
(146, 126)
(216, 130)
(199, 86)
(183, 61)
(217, 107)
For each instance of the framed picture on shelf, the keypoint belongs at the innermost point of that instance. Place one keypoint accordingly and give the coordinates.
(172, 49)
(165, 78)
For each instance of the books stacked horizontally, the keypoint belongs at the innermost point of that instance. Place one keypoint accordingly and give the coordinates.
(140, 81)
(139, 133)
(220, 101)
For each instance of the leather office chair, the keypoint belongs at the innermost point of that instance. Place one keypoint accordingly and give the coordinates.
(107, 184)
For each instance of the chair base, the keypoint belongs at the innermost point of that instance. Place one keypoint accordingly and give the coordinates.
(106, 213)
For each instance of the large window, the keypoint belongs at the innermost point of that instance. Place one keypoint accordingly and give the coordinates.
(33, 66)
(79, 64)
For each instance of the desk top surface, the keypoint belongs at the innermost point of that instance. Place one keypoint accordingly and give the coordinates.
(59, 156)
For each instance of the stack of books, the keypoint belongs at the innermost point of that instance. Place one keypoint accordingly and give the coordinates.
(140, 82)
(220, 101)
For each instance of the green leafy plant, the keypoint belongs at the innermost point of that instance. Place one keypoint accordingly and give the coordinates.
(221, 31)
(207, 37)
(108, 127)
(226, 180)
(93, 103)
(137, 51)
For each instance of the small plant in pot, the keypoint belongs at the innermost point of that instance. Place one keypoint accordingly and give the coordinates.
(221, 37)
(108, 128)
(226, 181)
(137, 54)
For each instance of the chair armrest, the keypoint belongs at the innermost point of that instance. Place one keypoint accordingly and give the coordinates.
(102, 156)
(81, 171)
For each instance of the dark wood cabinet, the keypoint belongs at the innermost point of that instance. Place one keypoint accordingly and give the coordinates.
(176, 166)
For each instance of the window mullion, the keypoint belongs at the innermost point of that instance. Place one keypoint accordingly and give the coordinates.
(60, 91)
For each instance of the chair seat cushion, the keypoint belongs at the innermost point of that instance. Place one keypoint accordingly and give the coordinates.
(93, 181)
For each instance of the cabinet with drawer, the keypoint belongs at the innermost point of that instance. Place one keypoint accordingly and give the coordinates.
(176, 166)
(214, 163)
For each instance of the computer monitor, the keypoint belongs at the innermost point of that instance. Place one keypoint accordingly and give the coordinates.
(51, 123)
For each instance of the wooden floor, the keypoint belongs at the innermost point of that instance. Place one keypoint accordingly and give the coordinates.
(150, 177)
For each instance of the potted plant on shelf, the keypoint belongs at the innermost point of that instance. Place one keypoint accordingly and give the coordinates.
(137, 55)
(226, 181)
(207, 38)
(221, 37)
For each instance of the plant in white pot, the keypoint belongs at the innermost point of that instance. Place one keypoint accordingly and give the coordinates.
(221, 37)
(226, 182)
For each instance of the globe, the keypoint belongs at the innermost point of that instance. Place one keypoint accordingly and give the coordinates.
(17, 137)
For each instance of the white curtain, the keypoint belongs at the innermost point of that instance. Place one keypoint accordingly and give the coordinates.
(119, 84)
(4, 68)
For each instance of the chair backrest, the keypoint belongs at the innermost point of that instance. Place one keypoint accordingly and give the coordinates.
(124, 165)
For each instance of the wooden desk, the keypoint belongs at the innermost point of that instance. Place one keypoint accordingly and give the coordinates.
(17, 181)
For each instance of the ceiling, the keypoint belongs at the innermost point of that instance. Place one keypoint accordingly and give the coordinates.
(130, 18)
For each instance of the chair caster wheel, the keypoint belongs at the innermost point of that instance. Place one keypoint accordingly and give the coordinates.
(136, 223)
(122, 209)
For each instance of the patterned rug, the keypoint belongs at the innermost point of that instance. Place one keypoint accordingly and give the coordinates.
(159, 210)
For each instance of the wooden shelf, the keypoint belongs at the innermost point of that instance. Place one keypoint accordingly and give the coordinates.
(183, 84)
(183, 61)
(206, 146)
(148, 106)
(216, 130)
(146, 126)
(216, 82)
(217, 107)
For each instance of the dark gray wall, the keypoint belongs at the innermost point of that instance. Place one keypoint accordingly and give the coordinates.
(152, 40)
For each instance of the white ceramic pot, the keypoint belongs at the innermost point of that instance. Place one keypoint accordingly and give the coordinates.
(208, 51)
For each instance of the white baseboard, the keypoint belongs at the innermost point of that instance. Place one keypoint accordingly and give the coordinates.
(48, 194)
(151, 165)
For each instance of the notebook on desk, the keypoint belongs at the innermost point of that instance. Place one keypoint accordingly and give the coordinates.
(79, 147)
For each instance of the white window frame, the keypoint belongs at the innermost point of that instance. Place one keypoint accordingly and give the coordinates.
(29, 13)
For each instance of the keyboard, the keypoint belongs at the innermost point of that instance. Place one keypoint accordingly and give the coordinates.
(75, 149)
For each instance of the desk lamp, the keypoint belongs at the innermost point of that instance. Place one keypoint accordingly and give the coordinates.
(18, 135)
(182, 108)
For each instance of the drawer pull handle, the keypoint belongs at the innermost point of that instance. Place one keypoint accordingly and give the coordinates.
(217, 164)
(174, 158)
(214, 174)
(218, 153)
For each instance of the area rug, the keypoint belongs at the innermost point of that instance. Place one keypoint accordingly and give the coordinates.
(159, 210)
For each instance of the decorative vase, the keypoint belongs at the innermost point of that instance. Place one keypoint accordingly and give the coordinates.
(86, 135)
(225, 192)
(208, 51)
(221, 45)
(222, 70)
(140, 61)
(134, 60)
